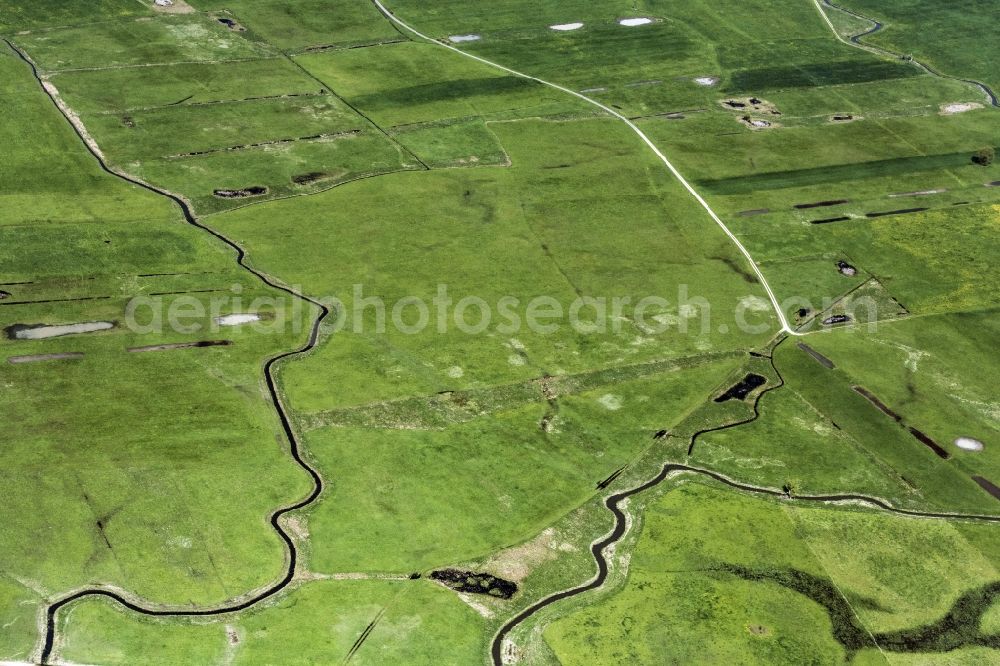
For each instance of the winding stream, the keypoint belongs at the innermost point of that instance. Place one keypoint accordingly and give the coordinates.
(269, 365)
(613, 504)
(877, 26)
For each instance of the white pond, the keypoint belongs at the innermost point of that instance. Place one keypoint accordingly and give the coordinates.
(44, 332)
(563, 27)
(237, 319)
(630, 22)
(969, 444)
(464, 38)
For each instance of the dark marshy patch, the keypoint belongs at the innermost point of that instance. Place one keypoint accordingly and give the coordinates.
(847, 630)
(882, 407)
(836, 319)
(988, 486)
(901, 211)
(743, 388)
(959, 627)
(311, 177)
(181, 345)
(475, 583)
(828, 220)
(822, 360)
(4, 294)
(924, 439)
(254, 191)
(822, 204)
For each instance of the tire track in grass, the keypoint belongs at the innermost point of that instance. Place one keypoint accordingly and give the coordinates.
(269, 365)
(878, 26)
(785, 327)
(669, 469)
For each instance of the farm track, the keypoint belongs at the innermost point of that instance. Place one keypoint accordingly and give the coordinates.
(779, 313)
(620, 529)
(269, 365)
(878, 26)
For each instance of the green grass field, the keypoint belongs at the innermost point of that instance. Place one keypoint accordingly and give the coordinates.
(325, 152)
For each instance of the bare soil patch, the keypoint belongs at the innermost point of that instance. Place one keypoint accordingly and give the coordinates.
(35, 358)
(172, 7)
(920, 193)
(959, 107)
(845, 268)
(45, 331)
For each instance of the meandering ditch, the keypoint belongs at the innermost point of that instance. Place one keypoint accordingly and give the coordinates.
(269, 366)
(878, 26)
(613, 504)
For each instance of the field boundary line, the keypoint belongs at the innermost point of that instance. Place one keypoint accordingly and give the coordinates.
(785, 327)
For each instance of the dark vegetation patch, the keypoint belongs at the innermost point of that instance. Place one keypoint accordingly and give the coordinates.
(445, 90)
(870, 397)
(834, 175)
(181, 345)
(960, 626)
(230, 23)
(254, 191)
(846, 628)
(901, 211)
(753, 211)
(836, 319)
(988, 486)
(311, 177)
(601, 485)
(842, 118)
(475, 583)
(995, 183)
(924, 439)
(818, 74)
(743, 388)
(822, 360)
(34, 358)
(828, 220)
(4, 294)
(128, 122)
(738, 268)
(821, 204)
